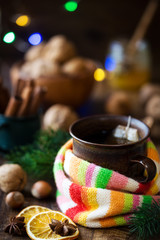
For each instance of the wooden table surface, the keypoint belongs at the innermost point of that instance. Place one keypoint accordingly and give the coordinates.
(117, 233)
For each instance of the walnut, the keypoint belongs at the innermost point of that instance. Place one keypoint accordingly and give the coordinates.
(59, 117)
(153, 107)
(118, 103)
(59, 49)
(147, 91)
(34, 52)
(12, 178)
(90, 65)
(155, 130)
(39, 68)
(78, 65)
(57, 41)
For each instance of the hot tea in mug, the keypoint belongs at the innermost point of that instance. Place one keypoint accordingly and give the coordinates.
(95, 140)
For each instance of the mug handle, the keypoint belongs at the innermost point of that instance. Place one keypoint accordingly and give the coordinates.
(144, 165)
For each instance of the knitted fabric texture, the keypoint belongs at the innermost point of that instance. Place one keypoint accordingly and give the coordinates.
(97, 197)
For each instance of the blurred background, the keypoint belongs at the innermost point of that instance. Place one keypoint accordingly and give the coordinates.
(98, 56)
(91, 26)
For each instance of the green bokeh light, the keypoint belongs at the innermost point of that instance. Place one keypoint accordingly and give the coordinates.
(71, 6)
(9, 37)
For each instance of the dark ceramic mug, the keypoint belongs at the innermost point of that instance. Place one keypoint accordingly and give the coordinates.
(16, 131)
(129, 159)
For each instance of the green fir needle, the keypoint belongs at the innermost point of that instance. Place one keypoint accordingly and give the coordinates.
(37, 158)
(145, 223)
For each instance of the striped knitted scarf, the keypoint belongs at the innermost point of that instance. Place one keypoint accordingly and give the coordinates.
(97, 197)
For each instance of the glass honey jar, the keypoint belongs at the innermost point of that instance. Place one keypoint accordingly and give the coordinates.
(128, 71)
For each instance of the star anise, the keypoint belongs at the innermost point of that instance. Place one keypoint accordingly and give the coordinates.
(62, 228)
(16, 226)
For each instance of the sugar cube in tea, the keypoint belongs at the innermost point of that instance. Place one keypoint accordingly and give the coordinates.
(130, 134)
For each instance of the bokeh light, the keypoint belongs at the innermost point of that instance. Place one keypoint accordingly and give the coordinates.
(35, 39)
(71, 6)
(9, 37)
(99, 74)
(110, 64)
(23, 21)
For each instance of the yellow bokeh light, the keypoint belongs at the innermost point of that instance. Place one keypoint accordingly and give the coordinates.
(99, 74)
(23, 21)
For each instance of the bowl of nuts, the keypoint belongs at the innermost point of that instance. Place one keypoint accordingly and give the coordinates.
(55, 65)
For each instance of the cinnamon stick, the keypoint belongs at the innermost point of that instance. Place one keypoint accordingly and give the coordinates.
(26, 97)
(19, 87)
(4, 97)
(37, 99)
(13, 106)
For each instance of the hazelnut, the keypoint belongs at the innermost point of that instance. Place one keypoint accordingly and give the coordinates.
(14, 199)
(41, 189)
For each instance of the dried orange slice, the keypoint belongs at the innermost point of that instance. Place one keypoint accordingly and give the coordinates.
(38, 227)
(30, 211)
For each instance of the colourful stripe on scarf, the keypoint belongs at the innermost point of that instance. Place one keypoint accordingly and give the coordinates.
(96, 197)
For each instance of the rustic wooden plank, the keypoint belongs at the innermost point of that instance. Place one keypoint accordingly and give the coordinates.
(108, 234)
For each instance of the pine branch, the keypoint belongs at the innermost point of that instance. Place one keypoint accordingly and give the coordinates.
(146, 221)
(37, 158)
